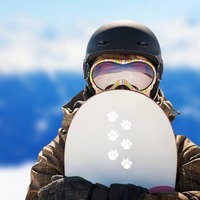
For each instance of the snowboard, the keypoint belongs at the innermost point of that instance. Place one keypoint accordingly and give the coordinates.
(121, 136)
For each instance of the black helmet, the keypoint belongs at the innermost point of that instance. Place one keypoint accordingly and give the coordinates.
(126, 37)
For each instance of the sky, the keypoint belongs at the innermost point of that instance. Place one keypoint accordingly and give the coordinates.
(49, 35)
(52, 35)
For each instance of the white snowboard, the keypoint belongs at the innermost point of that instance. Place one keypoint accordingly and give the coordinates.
(121, 136)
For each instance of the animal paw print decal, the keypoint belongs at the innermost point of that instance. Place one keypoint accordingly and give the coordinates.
(113, 155)
(113, 135)
(112, 116)
(126, 125)
(126, 144)
(126, 163)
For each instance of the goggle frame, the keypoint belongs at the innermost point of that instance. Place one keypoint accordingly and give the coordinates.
(146, 90)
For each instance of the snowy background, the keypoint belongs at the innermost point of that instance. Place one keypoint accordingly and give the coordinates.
(42, 46)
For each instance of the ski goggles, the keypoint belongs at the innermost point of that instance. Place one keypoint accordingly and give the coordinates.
(134, 74)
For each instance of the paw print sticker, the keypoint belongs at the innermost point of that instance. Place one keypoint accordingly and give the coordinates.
(112, 116)
(113, 155)
(126, 144)
(113, 135)
(126, 125)
(126, 163)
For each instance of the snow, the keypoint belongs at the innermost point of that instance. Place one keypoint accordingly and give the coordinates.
(14, 181)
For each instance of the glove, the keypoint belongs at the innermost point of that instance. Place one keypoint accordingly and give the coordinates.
(100, 192)
(77, 188)
(127, 192)
(69, 188)
(72, 188)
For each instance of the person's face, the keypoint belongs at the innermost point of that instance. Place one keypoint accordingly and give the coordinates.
(130, 72)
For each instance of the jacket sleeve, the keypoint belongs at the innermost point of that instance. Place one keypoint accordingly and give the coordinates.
(50, 160)
(188, 173)
(49, 163)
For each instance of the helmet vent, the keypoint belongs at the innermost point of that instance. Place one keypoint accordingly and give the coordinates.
(103, 43)
(142, 44)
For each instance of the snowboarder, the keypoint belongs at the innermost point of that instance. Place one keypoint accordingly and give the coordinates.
(112, 45)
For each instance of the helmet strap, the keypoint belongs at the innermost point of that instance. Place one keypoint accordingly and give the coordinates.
(86, 70)
(88, 92)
